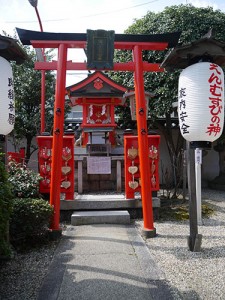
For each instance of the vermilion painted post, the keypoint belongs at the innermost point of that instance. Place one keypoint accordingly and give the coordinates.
(42, 78)
(58, 131)
(42, 101)
(143, 149)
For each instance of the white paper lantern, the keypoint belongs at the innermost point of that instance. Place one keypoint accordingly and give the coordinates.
(7, 105)
(201, 102)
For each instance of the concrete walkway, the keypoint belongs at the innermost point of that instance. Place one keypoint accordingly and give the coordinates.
(103, 262)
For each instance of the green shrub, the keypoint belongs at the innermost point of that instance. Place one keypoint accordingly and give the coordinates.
(5, 210)
(25, 182)
(30, 220)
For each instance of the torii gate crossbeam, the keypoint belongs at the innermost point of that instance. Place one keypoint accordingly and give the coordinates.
(136, 43)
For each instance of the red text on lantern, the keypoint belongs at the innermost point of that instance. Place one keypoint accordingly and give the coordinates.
(215, 100)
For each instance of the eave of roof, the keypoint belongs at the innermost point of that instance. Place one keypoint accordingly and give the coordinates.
(98, 74)
(182, 56)
(10, 50)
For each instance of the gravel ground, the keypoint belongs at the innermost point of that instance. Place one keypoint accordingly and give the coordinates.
(192, 275)
(21, 277)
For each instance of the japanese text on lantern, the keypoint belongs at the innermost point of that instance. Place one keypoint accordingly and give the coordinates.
(182, 111)
(215, 99)
(11, 117)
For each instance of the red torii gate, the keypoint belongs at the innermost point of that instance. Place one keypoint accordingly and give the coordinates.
(135, 43)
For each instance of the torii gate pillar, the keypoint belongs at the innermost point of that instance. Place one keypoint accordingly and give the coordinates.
(58, 131)
(143, 149)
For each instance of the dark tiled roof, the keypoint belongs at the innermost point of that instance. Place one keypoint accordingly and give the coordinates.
(10, 50)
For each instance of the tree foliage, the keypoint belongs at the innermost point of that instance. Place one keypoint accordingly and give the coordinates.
(29, 222)
(193, 23)
(24, 182)
(27, 89)
(5, 209)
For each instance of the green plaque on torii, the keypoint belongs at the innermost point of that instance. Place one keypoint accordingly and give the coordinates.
(100, 49)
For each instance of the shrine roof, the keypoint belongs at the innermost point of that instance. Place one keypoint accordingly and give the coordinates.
(10, 50)
(96, 85)
(183, 55)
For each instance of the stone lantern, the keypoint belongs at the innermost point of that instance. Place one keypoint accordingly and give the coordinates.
(131, 97)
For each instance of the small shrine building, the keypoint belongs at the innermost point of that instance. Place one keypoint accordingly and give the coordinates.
(98, 154)
(98, 95)
(101, 162)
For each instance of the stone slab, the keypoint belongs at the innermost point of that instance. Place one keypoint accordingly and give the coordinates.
(95, 202)
(100, 217)
(104, 262)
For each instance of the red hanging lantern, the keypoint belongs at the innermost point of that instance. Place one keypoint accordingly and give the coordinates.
(201, 102)
(7, 106)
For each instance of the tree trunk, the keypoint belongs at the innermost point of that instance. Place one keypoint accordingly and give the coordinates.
(222, 163)
(175, 148)
(28, 148)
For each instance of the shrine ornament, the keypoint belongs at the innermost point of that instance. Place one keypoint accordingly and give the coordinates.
(201, 102)
(7, 106)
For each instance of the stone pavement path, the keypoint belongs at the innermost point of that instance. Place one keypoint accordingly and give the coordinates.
(103, 262)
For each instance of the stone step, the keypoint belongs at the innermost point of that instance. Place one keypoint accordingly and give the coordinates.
(110, 202)
(100, 217)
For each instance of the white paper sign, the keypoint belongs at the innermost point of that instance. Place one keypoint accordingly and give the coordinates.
(98, 165)
(198, 156)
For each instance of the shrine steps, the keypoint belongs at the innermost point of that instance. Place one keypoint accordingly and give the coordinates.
(103, 208)
(100, 217)
(100, 202)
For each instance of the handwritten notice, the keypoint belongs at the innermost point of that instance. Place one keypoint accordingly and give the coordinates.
(98, 165)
